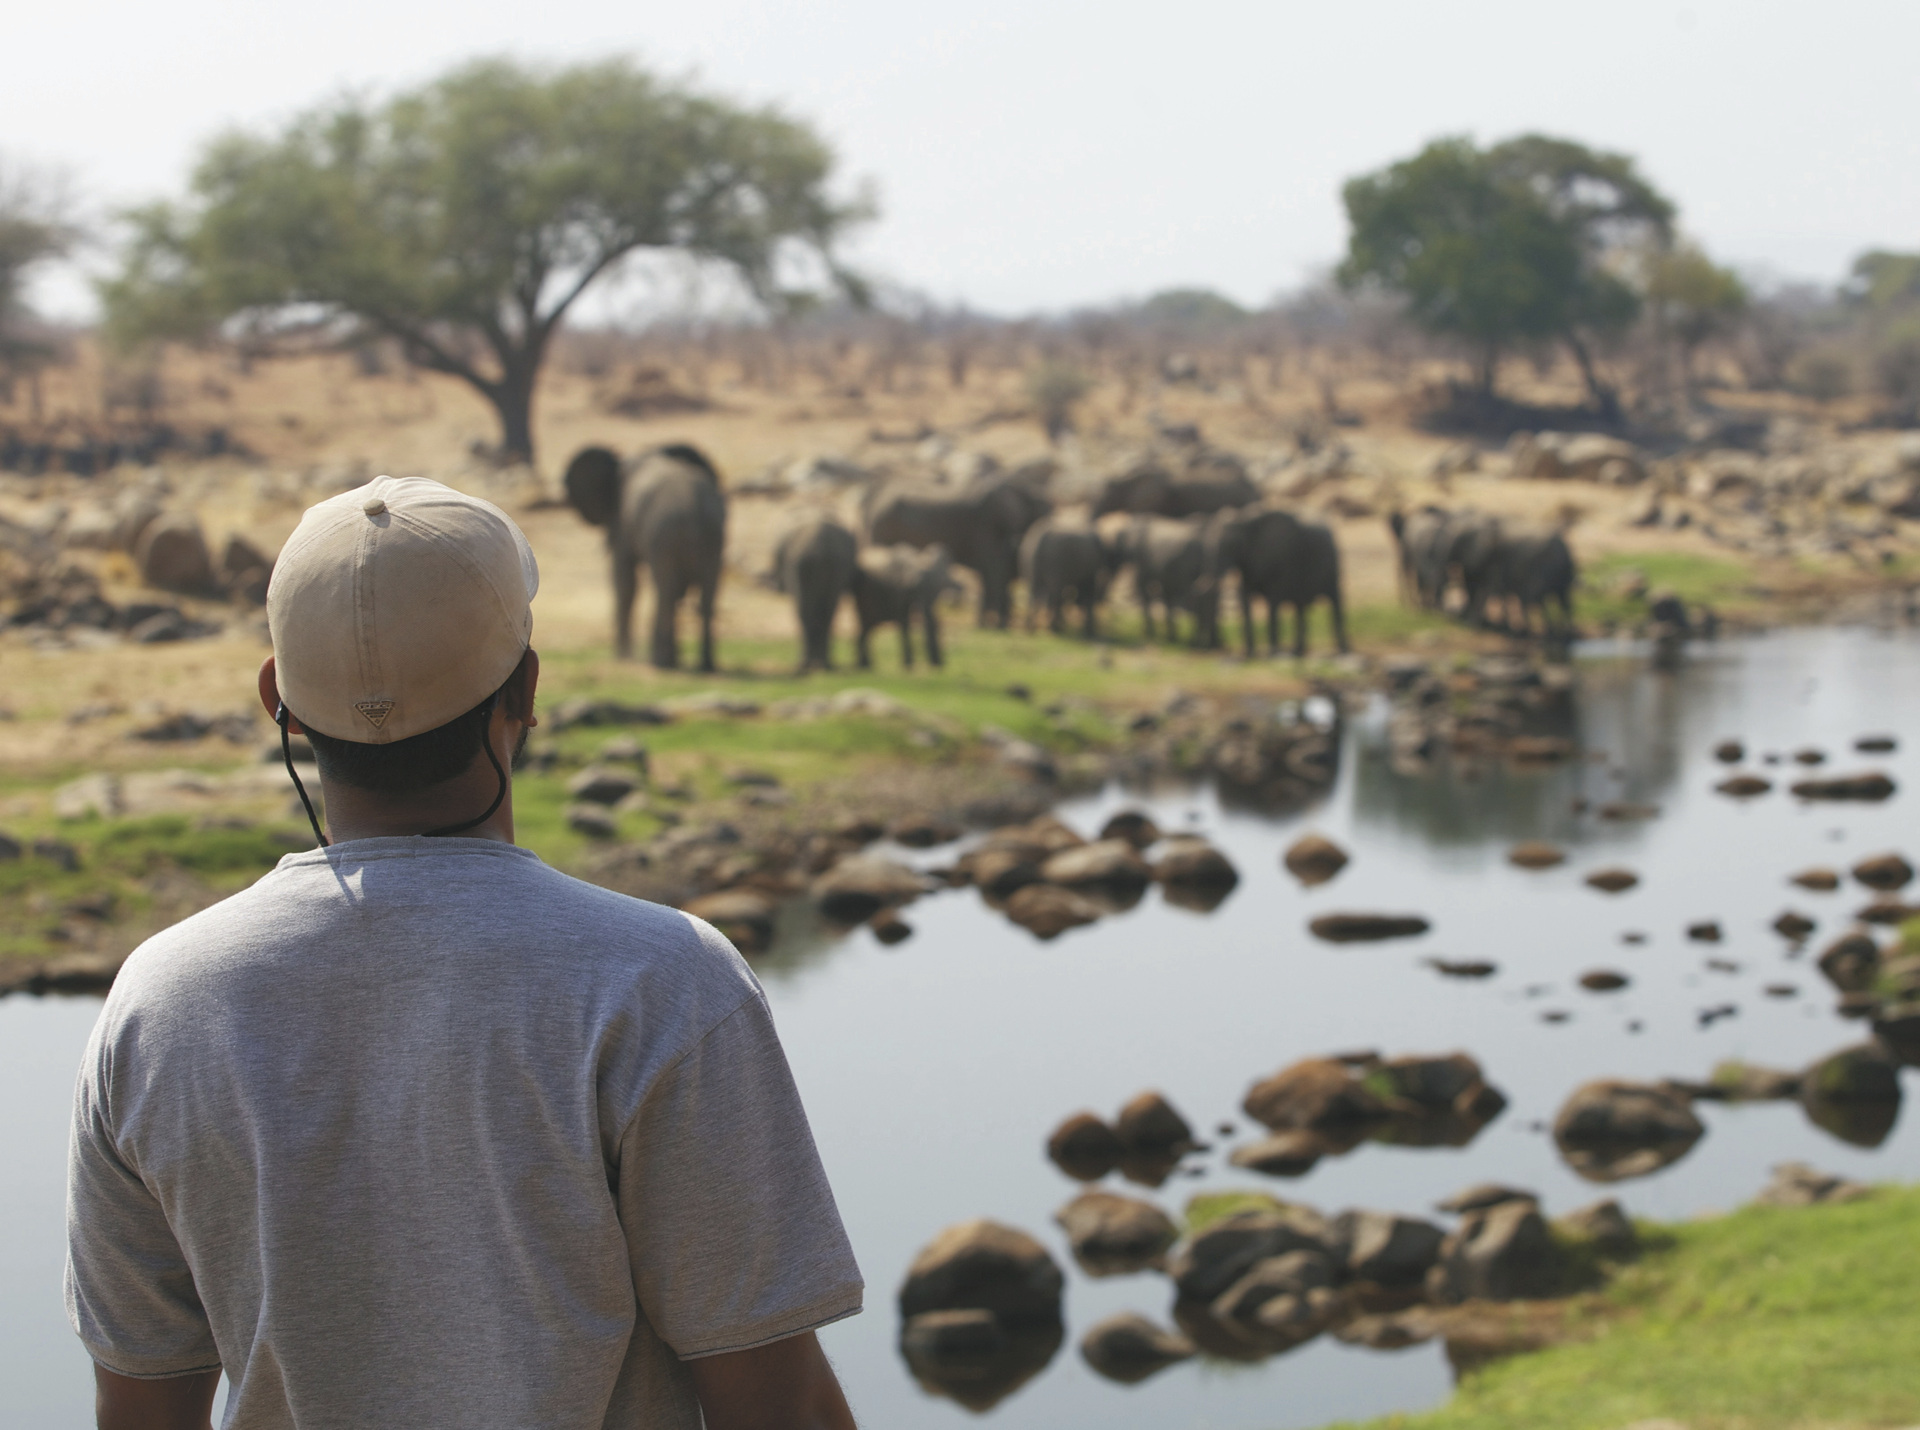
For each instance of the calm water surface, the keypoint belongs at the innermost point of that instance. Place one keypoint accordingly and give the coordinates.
(934, 1070)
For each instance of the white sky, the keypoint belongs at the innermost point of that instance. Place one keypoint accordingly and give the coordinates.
(1039, 155)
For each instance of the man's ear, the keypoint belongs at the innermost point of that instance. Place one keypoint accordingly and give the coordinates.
(524, 688)
(270, 696)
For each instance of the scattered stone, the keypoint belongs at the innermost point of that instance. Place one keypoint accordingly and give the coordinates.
(1744, 786)
(188, 725)
(1505, 1253)
(1809, 756)
(90, 796)
(985, 1266)
(1314, 859)
(1113, 1235)
(1367, 928)
(1707, 931)
(1085, 1148)
(1744, 1082)
(1293, 1275)
(1888, 911)
(923, 831)
(1129, 1348)
(861, 885)
(1188, 862)
(1149, 1123)
(1620, 810)
(1729, 752)
(1781, 990)
(1633, 936)
(1134, 827)
(1483, 1195)
(889, 927)
(591, 820)
(1291, 1152)
(1047, 910)
(172, 555)
(1610, 1130)
(1794, 926)
(1823, 881)
(625, 750)
(1388, 1330)
(1536, 855)
(1795, 1184)
(1385, 1249)
(1854, 1094)
(1604, 980)
(1868, 787)
(1885, 872)
(1213, 1258)
(1462, 968)
(1317, 1093)
(584, 711)
(998, 870)
(744, 916)
(1604, 1226)
(1876, 744)
(1612, 881)
(598, 784)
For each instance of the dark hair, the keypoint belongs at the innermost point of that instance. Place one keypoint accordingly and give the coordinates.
(419, 762)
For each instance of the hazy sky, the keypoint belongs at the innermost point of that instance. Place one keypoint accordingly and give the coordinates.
(1039, 155)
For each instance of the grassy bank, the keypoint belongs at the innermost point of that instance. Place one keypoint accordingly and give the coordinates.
(1765, 1319)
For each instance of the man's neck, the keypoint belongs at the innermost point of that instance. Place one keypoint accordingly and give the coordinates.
(359, 814)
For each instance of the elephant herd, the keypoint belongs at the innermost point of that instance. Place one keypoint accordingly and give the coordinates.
(1182, 535)
(1499, 571)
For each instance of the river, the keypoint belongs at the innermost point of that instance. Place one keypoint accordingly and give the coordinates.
(935, 1068)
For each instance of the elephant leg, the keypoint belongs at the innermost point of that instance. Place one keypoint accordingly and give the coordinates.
(1246, 618)
(1335, 605)
(709, 598)
(626, 587)
(1273, 626)
(862, 656)
(906, 639)
(1146, 610)
(932, 619)
(666, 644)
(1033, 608)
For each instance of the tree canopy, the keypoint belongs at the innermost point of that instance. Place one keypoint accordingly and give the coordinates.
(1518, 244)
(462, 220)
(34, 229)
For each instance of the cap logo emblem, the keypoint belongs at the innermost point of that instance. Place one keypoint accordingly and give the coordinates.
(376, 711)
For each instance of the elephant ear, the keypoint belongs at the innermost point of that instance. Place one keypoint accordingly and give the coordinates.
(693, 457)
(593, 485)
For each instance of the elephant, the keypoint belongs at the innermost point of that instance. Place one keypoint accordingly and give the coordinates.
(1168, 558)
(1534, 571)
(1421, 543)
(1065, 564)
(893, 584)
(814, 563)
(1440, 549)
(662, 509)
(1282, 561)
(980, 526)
(1150, 489)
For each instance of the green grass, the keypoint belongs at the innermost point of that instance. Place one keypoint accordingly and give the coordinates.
(1726, 585)
(1765, 1319)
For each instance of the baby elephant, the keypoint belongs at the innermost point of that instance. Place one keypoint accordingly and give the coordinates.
(892, 584)
(815, 564)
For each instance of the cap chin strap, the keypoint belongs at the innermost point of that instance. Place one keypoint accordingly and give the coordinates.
(280, 717)
(486, 743)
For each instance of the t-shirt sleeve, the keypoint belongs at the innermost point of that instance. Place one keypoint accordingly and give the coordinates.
(130, 1292)
(731, 1227)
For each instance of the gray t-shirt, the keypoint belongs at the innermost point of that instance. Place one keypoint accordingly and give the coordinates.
(422, 1132)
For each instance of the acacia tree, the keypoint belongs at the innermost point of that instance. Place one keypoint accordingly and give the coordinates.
(34, 229)
(1520, 244)
(464, 219)
(1693, 301)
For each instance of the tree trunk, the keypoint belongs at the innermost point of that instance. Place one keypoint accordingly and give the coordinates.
(1604, 397)
(512, 399)
(1489, 368)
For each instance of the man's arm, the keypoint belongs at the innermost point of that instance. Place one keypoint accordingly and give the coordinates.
(787, 1385)
(180, 1402)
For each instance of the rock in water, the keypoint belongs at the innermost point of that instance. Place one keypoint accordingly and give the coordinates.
(1047, 911)
(1314, 860)
(1482, 1195)
(1535, 855)
(1106, 863)
(1729, 752)
(1001, 869)
(1149, 1123)
(1291, 1152)
(1870, 788)
(1603, 1226)
(1612, 881)
(1294, 1273)
(974, 1357)
(1317, 1093)
(1385, 1249)
(1367, 928)
(1193, 863)
(1876, 744)
(1129, 1348)
(744, 916)
(1886, 872)
(1604, 980)
(1216, 1256)
(1114, 1235)
(1791, 925)
(985, 1266)
(1854, 1094)
(1744, 786)
(1707, 932)
(1610, 1130)
(1823, 881)
(860, 885)
(1795, 1184)
(1506, 1253)
(1085, 1148)
(1133, 826)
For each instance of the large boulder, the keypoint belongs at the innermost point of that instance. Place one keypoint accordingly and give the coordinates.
(1853, 1094)
(1610, 1130)
(1085, 1148)
(981, 1265)
(1436, 1101)
(860, 885)
(1137, 828)
(1106, 863)
(1603, 1226)
(1851, 962)
(1290, 1152)
(1000, 869)
(1188, 862)
(1317, 1093)
(1506, 1253)
(1128, 1348)
(1114, 1235)
(1216, 1256)
(1294, 1273)
(1385, 1249)
(172, 555)
(1886, 872)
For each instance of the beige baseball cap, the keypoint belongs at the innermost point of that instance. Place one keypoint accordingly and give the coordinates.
(397, 607)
